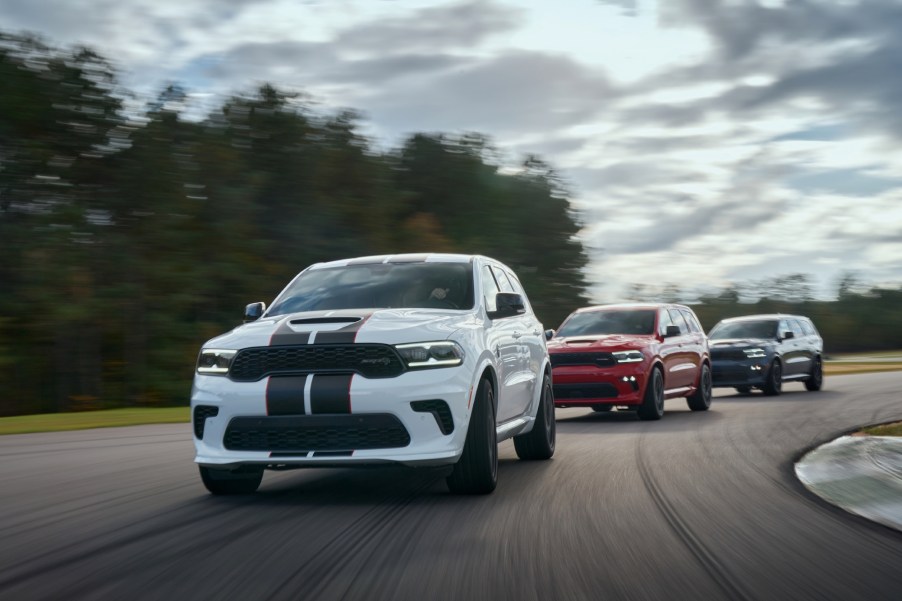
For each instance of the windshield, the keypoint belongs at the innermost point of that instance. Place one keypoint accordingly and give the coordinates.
(379, 286)
(634, 321)
(744, 329)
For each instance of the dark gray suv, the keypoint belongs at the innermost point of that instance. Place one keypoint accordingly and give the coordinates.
(763, 351)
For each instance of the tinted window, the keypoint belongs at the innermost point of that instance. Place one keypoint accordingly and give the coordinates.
(752, 328)
(796, 328)
(380, 285)
(609, 322)
(518, 288)
(665, 321)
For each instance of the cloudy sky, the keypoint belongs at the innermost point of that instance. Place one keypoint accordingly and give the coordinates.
(706, 141)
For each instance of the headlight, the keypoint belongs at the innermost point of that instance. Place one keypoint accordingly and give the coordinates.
(754, 353)
(423, 355)
(214, 361)
(628, 356)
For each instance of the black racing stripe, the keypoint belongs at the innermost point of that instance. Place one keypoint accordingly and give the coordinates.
(345, 335)
(285, 395)
(331, 393)
(284, 335)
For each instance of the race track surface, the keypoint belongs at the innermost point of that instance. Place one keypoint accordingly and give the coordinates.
(696, 506)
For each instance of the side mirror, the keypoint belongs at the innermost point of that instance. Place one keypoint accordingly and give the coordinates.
(549, 334)
(253, 311)
(787, 335)
(672, 331)
(507, 304)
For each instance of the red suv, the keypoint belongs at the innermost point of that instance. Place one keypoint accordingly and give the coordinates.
(630, 356)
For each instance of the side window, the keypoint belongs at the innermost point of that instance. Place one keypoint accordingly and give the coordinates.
(489, 288)
(518, 288)
(502, 280)
(784, 327)
(664, 320)
(796, 328)
(677, 318)
(807, 327)
(690, 318)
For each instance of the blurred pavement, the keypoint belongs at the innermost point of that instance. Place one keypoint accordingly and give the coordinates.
(861, 474)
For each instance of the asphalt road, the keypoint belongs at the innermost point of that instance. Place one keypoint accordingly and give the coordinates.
(698, 505)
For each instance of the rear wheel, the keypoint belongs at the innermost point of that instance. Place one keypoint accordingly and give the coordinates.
(652, 406)
(816, 380)
(476, 472)
(229, 482)
(538, 443)
(700, 400)
(774, 384)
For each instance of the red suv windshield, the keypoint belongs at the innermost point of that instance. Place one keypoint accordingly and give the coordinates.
(627, 321)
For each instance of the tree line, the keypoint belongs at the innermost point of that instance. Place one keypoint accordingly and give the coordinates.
(131, 235)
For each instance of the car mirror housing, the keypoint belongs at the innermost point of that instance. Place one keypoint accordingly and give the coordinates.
(508, 304)
(672, 331)
(787, 335)
(254, 311)
(549, 334)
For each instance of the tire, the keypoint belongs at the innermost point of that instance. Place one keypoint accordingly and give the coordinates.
(700, 400)
(226, 482)
(816, 380)
(601, 408)
(476, 472)
(538, 443)
(774, 384)
(744, 389)
(652, 407)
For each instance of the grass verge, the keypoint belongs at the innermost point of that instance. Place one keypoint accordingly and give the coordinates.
(111, 418)
(838, 369)
(885, 430)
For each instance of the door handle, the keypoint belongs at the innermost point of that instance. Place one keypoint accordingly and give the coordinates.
(517, 334)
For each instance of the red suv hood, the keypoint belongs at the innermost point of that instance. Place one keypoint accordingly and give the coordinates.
(608, 342)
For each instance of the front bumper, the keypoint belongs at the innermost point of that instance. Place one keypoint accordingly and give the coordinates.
(586, 385)
(382, 425)
(733, 373)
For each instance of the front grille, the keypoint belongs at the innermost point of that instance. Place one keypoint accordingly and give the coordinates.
(597, 359)
(368, 360)
(585, 391)
(201, 413)
(727, 354)
(439, 410)
(304, 433)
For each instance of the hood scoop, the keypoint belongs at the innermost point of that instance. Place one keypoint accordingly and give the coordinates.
(319, 320)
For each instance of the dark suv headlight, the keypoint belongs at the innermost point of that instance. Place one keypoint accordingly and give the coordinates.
(755, 353)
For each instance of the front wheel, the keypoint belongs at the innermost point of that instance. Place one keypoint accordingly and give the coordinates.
(538, 443)
(774, 384)
(476, 472)
(700, 400)
(652, 406)
(228, 482)
(816, 380)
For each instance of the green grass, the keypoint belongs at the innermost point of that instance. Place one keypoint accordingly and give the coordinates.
(112, 418)
(872, 354)
(885, 430)
(839, 369)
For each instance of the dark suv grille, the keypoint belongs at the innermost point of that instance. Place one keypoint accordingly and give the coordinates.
(304, 433)
(368, 360)
(597, 359)
(728, 354)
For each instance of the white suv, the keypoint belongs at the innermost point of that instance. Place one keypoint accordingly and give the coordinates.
(420, 360)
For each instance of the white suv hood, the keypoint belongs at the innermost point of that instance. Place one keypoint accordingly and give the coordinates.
(387, 326)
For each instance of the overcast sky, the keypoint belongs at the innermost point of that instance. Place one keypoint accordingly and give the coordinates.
(706, 141)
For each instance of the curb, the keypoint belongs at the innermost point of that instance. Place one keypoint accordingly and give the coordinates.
(860, 474)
